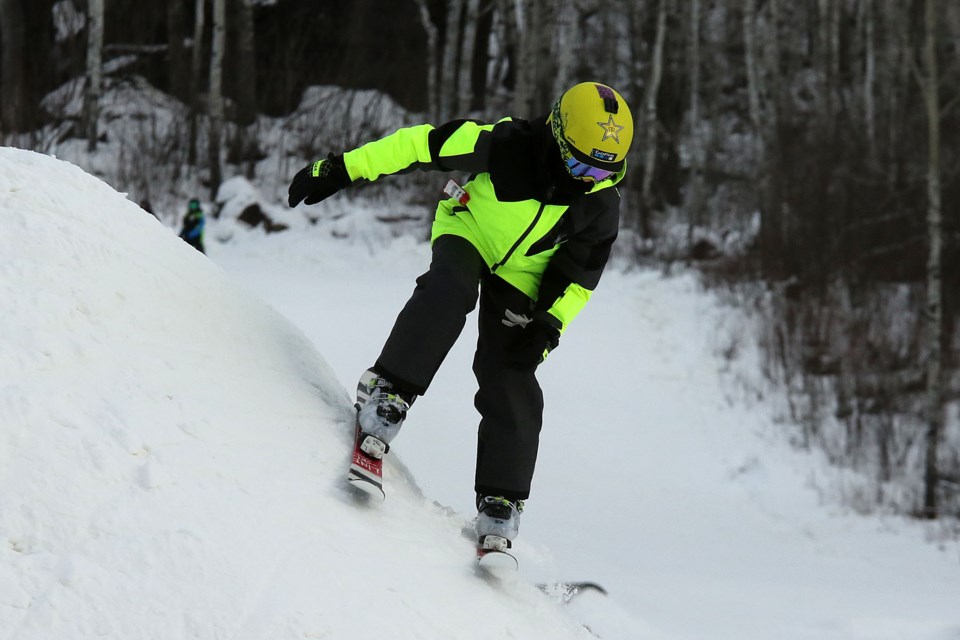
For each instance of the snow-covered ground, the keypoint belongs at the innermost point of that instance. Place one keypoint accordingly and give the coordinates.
(175, 431)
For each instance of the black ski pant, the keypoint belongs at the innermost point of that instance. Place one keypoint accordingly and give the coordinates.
(509, 399)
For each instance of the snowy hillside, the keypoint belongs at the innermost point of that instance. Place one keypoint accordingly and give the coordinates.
(171, 452)
(172, 449)
(664, 473)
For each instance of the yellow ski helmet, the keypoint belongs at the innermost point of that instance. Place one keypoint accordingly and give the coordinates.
(593, 127)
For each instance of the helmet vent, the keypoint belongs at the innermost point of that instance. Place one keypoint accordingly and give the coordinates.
(610, 104)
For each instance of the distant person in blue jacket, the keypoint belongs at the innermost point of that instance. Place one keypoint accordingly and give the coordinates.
(193, 223)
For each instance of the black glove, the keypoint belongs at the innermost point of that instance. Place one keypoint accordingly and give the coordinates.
(318, 180)
(539, 336)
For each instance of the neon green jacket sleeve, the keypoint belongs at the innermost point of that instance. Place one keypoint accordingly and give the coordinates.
(404, 150)
(459, 145)
(565, 308)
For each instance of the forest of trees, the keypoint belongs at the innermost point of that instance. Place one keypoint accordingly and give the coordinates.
(804, 154)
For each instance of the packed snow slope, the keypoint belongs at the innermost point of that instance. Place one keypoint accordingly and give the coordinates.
(172, 453)
(665, 470)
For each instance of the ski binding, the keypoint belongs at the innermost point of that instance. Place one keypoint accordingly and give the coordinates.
(493, 554)
(366, 466)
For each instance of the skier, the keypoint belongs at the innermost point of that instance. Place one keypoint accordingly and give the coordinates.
(532, 228)
(193, 224)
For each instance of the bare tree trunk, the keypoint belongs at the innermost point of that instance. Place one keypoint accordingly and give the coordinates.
(93, 89)
(430, 29)
(934, 310)
(773, 94)
(770, 45)
(448, 70)
(953, 23)
(215, 96)
(525, 61)
(895, 82)
(752, 63)
(534, 80)
(479, 75)
(696, 139)
(870, 79)
(635, 215)
(823, 57)
(28, 69)
(196, 69)
(465, 77)
(507, 75)
(835, 102)
(245, 61)
(568, 43)
(545, 52)
(13, 33)
(611, 22)
(650, 116)
(177, 62)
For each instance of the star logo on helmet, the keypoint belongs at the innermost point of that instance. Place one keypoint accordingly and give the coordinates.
(610, 130)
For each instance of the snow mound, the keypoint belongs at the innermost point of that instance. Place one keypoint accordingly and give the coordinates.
(172, 453)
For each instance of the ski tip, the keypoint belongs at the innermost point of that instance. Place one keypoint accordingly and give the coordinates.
(365, 489)
(496, 561)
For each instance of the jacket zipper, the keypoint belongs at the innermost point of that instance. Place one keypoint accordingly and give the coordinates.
(520, 240)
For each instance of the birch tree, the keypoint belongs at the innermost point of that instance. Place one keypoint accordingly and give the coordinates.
(505, 73)
(525, 62)
(895, 82)
(752, 63)
(430, 29)
(94, 79)
(869, 78)
(568, 41)
(762, 59)
(544, 30)
(698, 152)
(650, 112)
(448, 70)
(828, 60)
(934, 306)
(465, 75)
(534, 80)
(215, 94)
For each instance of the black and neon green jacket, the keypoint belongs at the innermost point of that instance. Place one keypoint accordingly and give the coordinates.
(537, 228)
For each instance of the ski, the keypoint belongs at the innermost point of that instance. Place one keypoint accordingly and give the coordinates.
(366, 471)
(493, 554)
(496, 561)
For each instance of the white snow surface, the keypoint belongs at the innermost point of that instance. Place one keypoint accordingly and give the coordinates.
(175, 429)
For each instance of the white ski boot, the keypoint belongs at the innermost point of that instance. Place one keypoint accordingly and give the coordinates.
(380, 414)
(381, 410)
(498, 522)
